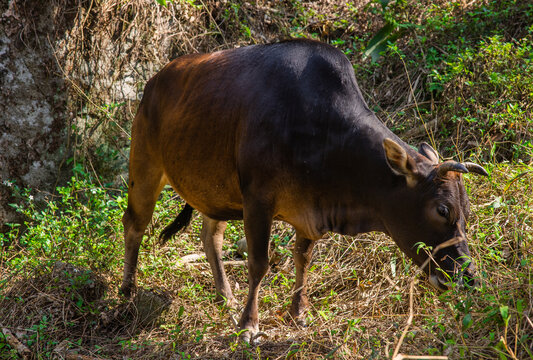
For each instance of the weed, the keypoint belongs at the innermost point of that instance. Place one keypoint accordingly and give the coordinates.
(72, 226)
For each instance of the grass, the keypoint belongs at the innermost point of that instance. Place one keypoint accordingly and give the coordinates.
(69, 257)
(447, 64)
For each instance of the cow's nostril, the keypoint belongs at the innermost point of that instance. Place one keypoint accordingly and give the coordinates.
(468, 279)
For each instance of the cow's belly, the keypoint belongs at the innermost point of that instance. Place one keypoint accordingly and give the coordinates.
(212, 199)
(209, 185)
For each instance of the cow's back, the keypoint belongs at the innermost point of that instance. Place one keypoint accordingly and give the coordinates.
(264, 117)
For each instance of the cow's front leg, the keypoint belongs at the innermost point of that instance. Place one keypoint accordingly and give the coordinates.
(302, 254)
(257, 222)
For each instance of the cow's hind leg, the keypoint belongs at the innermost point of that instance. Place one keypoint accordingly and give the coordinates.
(212, 237)
(302, 253)
(257, 223)
(145, 184)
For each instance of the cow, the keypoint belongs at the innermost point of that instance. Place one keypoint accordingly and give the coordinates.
(281, 132)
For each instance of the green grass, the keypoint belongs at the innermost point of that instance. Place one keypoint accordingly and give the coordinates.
(358, 286)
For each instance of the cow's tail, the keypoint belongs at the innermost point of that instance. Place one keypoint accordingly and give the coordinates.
(180, 222)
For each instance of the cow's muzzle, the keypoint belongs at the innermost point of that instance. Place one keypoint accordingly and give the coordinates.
(453, 266)
(465, 279)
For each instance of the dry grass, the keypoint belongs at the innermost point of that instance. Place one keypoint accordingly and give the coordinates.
(359, 292)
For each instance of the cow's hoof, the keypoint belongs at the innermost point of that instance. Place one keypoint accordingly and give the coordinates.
(233, 305)
(246, 336)
(252, 337)
(298, 320)
(127, 291)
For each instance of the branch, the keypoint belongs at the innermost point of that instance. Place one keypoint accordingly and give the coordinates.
(16, 344)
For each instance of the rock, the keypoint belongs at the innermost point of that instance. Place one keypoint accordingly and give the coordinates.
(32, 104)
(242, 247)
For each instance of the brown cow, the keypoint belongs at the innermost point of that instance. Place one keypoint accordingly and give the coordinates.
(281, 131)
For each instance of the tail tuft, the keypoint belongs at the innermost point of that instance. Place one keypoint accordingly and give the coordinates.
(180, 222)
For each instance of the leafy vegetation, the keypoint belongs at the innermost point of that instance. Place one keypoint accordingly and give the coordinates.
(454, 68)
(439, 71)
(359, 303)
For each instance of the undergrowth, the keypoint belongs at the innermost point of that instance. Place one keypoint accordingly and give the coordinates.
(462, 69)
(450, 66)
(68, 254)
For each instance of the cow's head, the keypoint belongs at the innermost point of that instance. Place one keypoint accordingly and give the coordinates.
(432, 208)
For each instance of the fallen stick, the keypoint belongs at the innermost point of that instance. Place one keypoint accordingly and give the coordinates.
(397, 356)
(16, 344)
(226, 263)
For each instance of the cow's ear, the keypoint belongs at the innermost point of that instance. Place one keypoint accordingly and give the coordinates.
(426, 150)
(400, 162)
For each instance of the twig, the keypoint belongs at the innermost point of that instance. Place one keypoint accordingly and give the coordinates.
(212, 19)
(503, 339)
(445, 244)
(16, 344)
(529, 321)
(516, 338)
(395, 355)
(504, 342)
(420, 129)
(226, 263)
(428, 132)
(392, 283)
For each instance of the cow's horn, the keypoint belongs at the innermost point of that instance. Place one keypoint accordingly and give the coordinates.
(451, 166)
(475, 168)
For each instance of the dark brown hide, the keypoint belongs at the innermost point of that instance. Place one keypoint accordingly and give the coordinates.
(281, 131)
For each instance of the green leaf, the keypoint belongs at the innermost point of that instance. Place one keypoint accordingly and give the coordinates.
(520, 306)
(162, 2)
(323, 314)
(467, 321)
(378, 43)
(504, 311)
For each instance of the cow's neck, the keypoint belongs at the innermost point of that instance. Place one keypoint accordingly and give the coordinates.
(355, 204)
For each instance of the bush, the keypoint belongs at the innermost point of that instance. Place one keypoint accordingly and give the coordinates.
(73, 226)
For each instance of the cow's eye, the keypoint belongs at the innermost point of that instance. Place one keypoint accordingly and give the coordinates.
(443, 211)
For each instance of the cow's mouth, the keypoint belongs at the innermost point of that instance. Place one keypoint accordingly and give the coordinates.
(442, 282)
